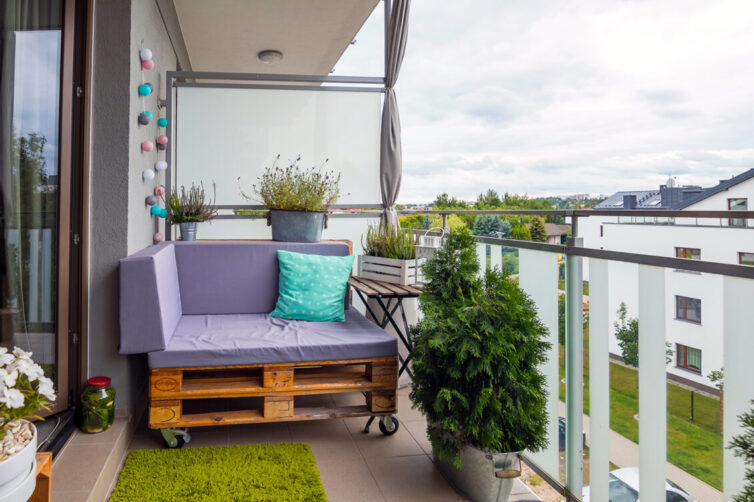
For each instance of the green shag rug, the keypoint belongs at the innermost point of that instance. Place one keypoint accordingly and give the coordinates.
(262, 472)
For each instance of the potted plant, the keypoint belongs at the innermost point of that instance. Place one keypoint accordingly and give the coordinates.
(297, 199)
(477, 351)
(24, 390)
(186, 208)
(390, 256)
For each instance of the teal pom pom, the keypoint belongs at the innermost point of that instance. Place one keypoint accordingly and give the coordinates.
(145, 90)
(162, 122)
(156, 210)
(148, 113)
(164, 213)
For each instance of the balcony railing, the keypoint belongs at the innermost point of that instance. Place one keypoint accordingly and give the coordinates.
(539, 272)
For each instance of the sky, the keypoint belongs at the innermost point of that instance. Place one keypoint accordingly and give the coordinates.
(574, 96)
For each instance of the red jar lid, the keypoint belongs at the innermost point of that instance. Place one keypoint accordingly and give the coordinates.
(99, 381)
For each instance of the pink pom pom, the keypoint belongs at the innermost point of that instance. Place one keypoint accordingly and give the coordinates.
(158, 237)
(147, 146)
(159, 190)
(147, 64)
(162, 139)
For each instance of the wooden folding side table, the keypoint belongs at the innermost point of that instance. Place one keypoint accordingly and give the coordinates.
(369, 289)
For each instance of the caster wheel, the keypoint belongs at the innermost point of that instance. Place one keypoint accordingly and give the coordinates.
(391, 427)
(179, 442)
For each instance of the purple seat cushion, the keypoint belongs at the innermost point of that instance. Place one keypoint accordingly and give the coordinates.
(219, 340)
(236, 277)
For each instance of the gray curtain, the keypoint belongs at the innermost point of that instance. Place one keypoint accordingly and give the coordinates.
(391, 164)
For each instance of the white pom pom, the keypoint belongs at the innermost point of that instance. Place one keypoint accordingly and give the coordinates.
(148, 174)
(145, 54)
(160, 165)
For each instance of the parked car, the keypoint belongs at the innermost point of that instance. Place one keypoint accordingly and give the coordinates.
(624, 487)
(562, 434)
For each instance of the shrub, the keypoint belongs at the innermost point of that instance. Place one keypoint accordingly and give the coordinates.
(476, 357)
(743, 446)
(485, 224)
(190, 206)
(297, 189)
(395, 243)
(520, 233)
(537, 229)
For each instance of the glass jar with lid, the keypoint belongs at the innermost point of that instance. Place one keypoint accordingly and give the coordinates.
(97, 405)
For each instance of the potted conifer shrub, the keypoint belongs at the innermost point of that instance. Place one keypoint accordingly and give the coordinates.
(477, 351)
(390, 256)
(297, 199)
(186, 208)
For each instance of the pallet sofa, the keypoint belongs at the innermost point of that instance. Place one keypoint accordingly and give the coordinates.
(199, 310)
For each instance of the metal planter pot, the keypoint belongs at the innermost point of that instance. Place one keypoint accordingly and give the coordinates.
(296, 226)
(188, 231)
(485, 476)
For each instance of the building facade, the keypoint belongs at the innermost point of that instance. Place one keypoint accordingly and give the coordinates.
(694, 306)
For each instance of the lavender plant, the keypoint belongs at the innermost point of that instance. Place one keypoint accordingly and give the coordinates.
(191, 206)
(295, 188)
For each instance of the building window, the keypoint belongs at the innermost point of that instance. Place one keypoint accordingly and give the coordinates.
(688, 309)
(746, 259)
(688, 358)
(688, 253)
(737, 205)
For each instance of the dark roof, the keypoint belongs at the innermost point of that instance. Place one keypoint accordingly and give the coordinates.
(669, 197)
(645, 199)
(720, 187)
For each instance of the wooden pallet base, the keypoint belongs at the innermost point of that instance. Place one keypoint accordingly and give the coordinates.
(277, 385)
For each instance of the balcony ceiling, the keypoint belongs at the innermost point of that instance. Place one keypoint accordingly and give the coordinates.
(227, 35)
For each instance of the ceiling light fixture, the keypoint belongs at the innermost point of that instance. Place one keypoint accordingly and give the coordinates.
(270, 56)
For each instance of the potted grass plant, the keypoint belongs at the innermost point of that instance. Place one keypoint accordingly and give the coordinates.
(297, 198)
(186, 208)
(24, 391)
(390, 255)
(477, 350)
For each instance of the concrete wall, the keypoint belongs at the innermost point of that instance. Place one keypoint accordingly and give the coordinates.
(119, 220)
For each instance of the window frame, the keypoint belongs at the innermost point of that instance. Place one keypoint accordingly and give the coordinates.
(681, 358)
(685, 318)
(685, 249)
(741, 258)
(738, 222)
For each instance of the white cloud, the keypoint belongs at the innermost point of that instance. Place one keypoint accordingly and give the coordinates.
(542, 97)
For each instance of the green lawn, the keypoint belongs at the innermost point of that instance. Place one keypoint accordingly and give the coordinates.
(696, 447)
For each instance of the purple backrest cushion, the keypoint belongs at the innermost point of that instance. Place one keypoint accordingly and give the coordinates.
(150, 300)
(237, 277)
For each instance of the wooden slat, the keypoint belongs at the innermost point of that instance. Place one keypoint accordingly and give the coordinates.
(272, 365)
(376, 286)
(165, 412)
(413, 290)
(278, 376)
(395, 288)
(356, 283)
(253, 416)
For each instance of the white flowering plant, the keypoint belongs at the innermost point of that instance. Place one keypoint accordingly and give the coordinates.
(24, 390)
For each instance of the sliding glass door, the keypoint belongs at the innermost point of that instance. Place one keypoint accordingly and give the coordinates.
(34, 169)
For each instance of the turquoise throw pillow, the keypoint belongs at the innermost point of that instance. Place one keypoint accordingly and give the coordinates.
(312, 287)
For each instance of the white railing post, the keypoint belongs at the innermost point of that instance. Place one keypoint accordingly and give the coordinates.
(538, 277)
(496, 256)
(652, 384)
(738, 347)
(574, 349)
(599, 379)
(481, 254)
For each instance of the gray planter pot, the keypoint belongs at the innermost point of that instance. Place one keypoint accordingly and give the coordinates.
(296, 226)
(485, 476)
(188, 231)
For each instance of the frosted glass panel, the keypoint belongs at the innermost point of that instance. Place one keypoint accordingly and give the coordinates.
(222, 135)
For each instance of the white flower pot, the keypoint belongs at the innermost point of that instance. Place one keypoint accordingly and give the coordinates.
(18, 475)
(394, 271)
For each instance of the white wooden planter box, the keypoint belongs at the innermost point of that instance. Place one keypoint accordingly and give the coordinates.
(401, 272)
